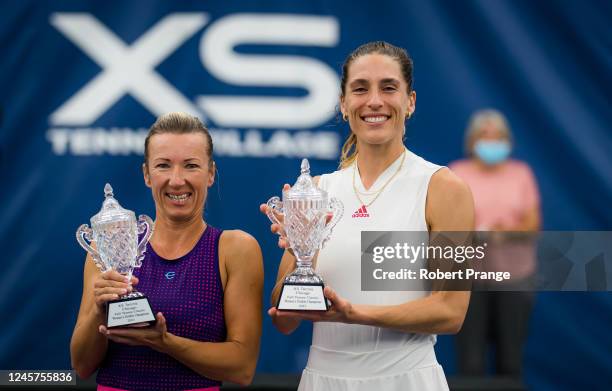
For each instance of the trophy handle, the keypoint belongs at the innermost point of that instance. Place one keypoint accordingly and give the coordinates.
(337, 209)
(84, 235)
(275, 205)
(144, 226)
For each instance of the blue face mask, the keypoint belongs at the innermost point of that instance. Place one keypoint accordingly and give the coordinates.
(492, 151)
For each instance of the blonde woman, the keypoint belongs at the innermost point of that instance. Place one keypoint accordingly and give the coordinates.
(209, 321)
(506, 198)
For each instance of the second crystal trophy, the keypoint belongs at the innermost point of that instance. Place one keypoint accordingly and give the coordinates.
(115, 232)
(305, 209)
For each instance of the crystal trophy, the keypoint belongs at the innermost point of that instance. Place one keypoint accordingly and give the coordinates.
(115, 232)
(305, 209)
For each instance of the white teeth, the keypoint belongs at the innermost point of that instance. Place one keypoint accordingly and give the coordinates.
(181, 197)
(375, 119)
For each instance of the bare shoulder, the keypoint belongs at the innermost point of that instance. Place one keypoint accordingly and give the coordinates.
(236, 246)
(450, 205)
(445, 183)
(459, 164)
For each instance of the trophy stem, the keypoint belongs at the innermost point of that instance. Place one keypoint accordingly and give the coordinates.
(303, 263)
(303, 270)
(304, 273)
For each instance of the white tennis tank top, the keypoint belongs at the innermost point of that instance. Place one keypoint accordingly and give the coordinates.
(348, 351)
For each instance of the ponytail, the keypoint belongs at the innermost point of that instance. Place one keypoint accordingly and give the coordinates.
(349, 151)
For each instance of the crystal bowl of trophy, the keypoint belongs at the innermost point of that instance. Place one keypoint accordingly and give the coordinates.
(305, 209)
(115, 232)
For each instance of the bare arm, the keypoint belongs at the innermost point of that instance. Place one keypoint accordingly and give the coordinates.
(234, 359)
(449, 208)
(284, 325)
(88, 346)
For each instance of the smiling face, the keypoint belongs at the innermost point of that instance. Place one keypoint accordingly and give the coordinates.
(376, 99)
(179, 173)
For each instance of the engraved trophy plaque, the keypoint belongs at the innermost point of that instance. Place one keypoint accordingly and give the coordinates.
(115, 232)
(305, 209)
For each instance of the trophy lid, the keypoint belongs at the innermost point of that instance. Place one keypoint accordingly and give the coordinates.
(111, 211)
(304, 187)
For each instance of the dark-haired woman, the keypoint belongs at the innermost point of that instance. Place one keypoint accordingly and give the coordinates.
(379, 340)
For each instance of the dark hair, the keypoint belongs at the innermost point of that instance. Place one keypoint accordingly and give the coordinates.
(179, 123)
(379, 47)
(349, 149)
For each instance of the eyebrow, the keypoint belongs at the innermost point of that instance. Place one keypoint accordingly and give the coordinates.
(359, 81)
(163, 159)
(388, 80)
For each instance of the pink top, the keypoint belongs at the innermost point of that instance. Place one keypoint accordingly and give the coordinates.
(501, 198)
(105, 388)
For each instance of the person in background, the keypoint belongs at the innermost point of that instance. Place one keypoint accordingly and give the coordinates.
(506, 200)
(209, 321)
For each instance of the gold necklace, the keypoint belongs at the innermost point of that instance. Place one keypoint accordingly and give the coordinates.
(377, 193)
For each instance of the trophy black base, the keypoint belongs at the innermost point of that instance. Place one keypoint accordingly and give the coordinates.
(131, 310)
(302, 297)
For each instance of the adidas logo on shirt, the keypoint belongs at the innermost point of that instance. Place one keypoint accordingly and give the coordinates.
(361, 212)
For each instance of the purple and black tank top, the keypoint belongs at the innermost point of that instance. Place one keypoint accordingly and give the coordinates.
(188, 291)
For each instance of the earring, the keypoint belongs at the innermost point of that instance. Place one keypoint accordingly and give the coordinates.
(345, 117)
(408, 115)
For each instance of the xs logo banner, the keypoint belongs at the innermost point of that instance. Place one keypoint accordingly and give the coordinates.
(130, 69)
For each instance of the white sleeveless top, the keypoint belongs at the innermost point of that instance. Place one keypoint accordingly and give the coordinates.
(358, 357)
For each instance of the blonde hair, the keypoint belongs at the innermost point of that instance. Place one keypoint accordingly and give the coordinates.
(179, 123)
(476, 123)
(349, 151)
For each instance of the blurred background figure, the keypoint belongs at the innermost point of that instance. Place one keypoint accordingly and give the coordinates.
(506, 201)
